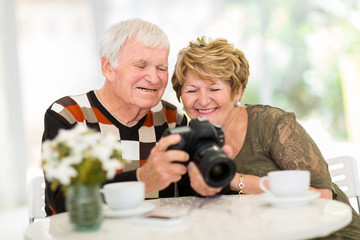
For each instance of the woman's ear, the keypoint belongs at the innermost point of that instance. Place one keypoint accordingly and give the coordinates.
(106, 68)
(237, 98)
(238, 95)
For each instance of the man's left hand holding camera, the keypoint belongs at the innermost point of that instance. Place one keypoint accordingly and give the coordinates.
(159, 170)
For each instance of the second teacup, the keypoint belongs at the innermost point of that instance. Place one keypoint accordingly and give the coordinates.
(123, 195)
(287, 183)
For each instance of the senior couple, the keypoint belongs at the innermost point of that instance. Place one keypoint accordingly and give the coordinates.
(209, 78)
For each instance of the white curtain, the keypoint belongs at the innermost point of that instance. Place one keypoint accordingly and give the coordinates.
(12, 140)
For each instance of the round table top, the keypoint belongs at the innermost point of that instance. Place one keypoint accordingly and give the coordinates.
(223, 217)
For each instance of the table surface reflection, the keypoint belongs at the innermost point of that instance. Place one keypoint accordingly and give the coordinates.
(223, 217)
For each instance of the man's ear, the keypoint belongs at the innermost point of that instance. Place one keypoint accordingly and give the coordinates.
(107, 69)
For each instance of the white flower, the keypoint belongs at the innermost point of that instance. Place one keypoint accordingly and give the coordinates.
(62, 172)
(110, 167)
(81, 155)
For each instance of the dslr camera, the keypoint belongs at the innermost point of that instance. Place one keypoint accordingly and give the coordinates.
(203, 141)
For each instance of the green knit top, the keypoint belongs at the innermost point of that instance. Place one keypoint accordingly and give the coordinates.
(276, 141)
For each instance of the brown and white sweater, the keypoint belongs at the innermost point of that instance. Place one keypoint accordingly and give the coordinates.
(137, 141)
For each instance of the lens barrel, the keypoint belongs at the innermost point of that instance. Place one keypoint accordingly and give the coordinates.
(216, 168)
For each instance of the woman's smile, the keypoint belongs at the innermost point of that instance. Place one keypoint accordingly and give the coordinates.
(206, 111)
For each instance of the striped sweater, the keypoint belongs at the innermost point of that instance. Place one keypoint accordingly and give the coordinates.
(137, 141)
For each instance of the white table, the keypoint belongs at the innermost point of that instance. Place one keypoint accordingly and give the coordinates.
(224, 217)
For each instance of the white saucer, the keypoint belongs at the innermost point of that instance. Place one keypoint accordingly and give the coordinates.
(143, 208)
(290, 202)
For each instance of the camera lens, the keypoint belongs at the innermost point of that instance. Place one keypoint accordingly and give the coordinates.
(216, 168)
(220, 175)
(217, 172)
(203, 141)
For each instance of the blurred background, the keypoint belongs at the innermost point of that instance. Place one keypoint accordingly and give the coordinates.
(304, 57)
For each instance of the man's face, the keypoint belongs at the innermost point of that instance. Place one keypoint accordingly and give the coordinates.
(141, 76)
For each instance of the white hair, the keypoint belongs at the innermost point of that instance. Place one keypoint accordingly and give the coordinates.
(146, 33)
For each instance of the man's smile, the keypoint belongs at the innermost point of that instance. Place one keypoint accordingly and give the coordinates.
(146, 89)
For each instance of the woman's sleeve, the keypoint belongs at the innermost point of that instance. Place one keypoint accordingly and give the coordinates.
(291, 147)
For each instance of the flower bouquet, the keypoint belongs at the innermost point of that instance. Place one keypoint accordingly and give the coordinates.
(80, 160)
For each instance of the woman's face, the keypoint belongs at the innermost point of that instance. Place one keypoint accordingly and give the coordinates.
(206, 99)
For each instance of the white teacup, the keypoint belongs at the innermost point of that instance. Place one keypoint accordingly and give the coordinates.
(287, 183)
(124, 195)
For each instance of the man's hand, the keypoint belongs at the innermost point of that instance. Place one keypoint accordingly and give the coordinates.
(159, 170)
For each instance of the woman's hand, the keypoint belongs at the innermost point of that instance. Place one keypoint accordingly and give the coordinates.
(198, 183)
(324, 193)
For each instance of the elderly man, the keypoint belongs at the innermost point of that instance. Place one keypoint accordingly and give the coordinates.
(134, 62)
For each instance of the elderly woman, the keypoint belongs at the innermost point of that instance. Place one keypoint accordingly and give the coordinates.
(210, 79)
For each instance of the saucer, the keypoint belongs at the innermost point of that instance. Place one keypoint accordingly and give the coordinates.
(143, 208)
(290, 202)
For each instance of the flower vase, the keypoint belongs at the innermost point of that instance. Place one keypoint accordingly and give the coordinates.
(84, 204)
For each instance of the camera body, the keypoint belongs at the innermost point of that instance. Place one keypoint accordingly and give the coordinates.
(203, 141)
